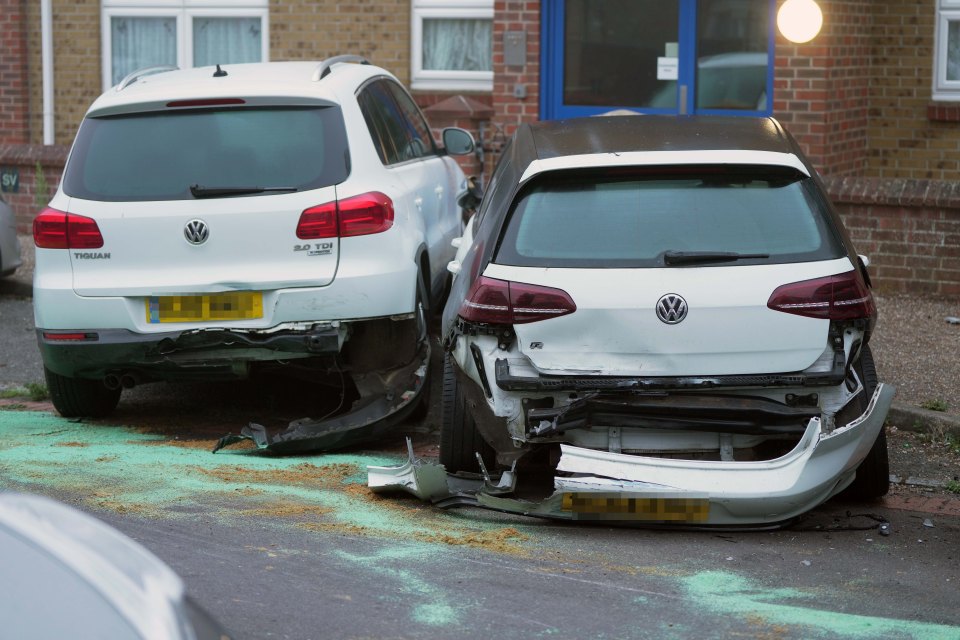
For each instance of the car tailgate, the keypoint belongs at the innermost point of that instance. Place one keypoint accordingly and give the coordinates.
(251, 245)
(728, 329)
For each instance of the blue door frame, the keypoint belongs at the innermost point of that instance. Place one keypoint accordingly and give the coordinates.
(552, 21)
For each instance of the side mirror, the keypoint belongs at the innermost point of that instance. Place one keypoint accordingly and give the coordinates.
(458, 142)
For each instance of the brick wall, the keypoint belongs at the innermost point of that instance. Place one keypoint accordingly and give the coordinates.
(34, 72)
(317, 29)
(77, 72)
(76, 65)
(516, 15)
(26, 203)
(821, 88)
(14, 106)
(910, 229)
(908, 140)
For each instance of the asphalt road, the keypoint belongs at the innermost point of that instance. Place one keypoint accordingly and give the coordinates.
(299, 548)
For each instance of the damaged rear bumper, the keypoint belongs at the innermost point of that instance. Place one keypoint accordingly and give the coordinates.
(390, 397)
(614, 487)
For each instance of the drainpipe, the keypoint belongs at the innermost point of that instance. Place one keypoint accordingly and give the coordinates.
(46, 55)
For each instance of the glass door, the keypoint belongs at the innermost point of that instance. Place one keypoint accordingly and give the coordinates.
(656, 56)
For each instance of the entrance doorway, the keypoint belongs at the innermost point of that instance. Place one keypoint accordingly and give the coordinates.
(656, 56)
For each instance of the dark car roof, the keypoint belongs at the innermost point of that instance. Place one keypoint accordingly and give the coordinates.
(651, 133)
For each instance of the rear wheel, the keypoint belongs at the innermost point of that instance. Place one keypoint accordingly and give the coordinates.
(76, 397)
(873, 474)
(460, 440)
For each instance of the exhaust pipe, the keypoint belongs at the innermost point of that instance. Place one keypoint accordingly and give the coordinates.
(111, 381)
(128, 381)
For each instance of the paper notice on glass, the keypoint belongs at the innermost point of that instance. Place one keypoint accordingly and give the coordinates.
(667, 68)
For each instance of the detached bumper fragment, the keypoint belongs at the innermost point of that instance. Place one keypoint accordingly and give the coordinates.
(614, 487)
(377, 411)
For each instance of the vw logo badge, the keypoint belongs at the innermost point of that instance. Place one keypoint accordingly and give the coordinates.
(671, 308)
(196, 232)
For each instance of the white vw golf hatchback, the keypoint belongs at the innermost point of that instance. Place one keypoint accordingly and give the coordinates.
(667, 313)
(212, 221)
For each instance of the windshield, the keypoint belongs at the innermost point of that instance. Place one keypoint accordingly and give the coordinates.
(643, 219)
(160, 155)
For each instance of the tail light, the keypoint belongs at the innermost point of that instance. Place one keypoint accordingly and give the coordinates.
(357, 216)
(54, 229)
(841, 297)
(501, 302)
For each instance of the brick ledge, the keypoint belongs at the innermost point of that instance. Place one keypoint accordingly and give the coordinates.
(943, 111)
(30, 154)
(898, 192)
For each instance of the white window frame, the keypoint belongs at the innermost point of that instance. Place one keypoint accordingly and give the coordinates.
(433, 80)
(948, 11)
(184, 11)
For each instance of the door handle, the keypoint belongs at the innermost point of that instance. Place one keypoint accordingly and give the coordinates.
(439, 192)
(419, 202)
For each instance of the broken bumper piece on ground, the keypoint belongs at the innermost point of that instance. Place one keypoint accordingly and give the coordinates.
(385, 401)
(615, 487)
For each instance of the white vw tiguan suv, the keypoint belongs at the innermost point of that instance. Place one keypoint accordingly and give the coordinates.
(666, 312)
(211, 221)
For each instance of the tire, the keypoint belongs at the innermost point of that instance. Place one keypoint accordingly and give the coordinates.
(459, 438)
(79, 398)
(873, 475)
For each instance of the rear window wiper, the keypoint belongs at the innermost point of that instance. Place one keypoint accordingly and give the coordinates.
(219, 192)
(694, 257)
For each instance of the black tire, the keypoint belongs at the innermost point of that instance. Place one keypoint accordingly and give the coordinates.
(79, 398)
(873, 475)
(459, 438)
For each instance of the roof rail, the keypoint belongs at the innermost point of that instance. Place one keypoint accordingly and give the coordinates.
(323, 69)
(130, 78)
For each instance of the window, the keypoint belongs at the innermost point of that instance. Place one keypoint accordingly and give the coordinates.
(595, 220)
(946, 66)
(396, 125)
(657, 56)
(300, 148)
(185, 33)
(452, 45)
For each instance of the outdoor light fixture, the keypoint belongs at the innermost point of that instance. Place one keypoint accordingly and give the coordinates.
(799, 20)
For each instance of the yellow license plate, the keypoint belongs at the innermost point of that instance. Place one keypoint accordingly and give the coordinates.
(621, 506)
(237, 305)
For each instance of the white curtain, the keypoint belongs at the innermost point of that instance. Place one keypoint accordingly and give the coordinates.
(457, 45)
(953, 50)
(226, 40)
(136, 43)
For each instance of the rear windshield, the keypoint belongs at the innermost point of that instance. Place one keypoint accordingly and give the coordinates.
(159, 155)
(633, 219)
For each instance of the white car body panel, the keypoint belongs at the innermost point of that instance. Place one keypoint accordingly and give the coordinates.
(251, 246)
(635, 342)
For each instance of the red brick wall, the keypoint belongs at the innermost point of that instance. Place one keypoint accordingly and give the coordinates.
(821, 89)
(910, 229)
(516, 15)
(24, 158)
(14, 99)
